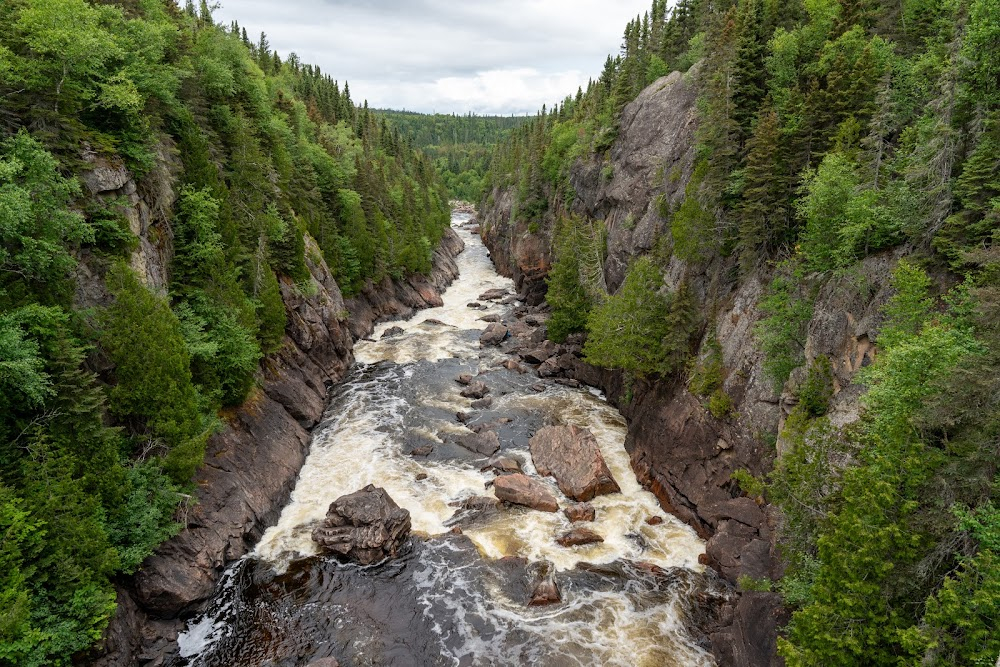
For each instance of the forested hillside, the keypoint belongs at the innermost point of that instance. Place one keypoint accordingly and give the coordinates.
(459, 146)
(114, 372)
(829, 134)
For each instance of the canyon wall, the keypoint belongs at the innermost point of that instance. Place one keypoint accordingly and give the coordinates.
(679, 450)
(251, 465)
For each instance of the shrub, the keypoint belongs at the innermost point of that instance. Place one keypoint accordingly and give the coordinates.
(720, 404)
(782, 331)
(817, 390)
(641, 329)
(142, 337)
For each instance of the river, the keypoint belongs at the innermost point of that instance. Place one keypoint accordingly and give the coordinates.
(454, 599)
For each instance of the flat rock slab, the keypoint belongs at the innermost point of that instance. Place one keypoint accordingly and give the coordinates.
(578, 537)
(493, 294)
(486, 443)
(571, 455)
(476, 390)
(503, 465)
(364, 527)
(522, 490)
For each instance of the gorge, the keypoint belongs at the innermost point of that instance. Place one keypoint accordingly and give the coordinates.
(708, 374)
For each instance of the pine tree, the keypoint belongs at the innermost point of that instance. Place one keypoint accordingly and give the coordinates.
(765, 222)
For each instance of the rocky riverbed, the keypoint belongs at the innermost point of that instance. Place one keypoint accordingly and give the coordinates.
(532, 541)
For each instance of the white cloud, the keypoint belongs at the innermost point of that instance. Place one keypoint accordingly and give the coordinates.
(501, 91)
(431, 55)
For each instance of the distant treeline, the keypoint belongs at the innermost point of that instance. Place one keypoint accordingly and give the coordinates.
(459, 146)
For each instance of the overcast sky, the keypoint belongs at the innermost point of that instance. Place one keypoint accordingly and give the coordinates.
(499, 56)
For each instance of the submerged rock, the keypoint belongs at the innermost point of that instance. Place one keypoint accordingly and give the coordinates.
(522, 490)
(512, 365)
(476, 503)
(464, 379)
(503, 464)
(571, 455)
(364, 527)
(482, 403)
(579, 537)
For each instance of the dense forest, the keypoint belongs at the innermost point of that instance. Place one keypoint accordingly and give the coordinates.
(459, 146)
(106, 403)
(828, 131)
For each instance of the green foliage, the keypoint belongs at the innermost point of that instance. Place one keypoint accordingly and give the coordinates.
(749, 484)
(709, 370)
(748, 583)
(144, 519)
(143, 338)
(782, 331)
(459, 146)
(909, 308)
(571, 304)
(692, 225)
(641, 329)
(844, 221)
(22, 371)
(38, 230)
(720, 405)
(816, 391)
(858, 611)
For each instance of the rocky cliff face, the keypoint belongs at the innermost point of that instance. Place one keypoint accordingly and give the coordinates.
(252, 464)
(679, 450)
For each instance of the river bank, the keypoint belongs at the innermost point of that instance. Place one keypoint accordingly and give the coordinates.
(459, 596)
(251, 466)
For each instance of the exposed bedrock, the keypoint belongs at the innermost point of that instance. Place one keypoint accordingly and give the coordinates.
(251, 465)
(679, 450)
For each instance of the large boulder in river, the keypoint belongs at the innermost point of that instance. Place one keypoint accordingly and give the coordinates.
(495, 334)
(364, 527)
(522, 490)
(570, 454)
